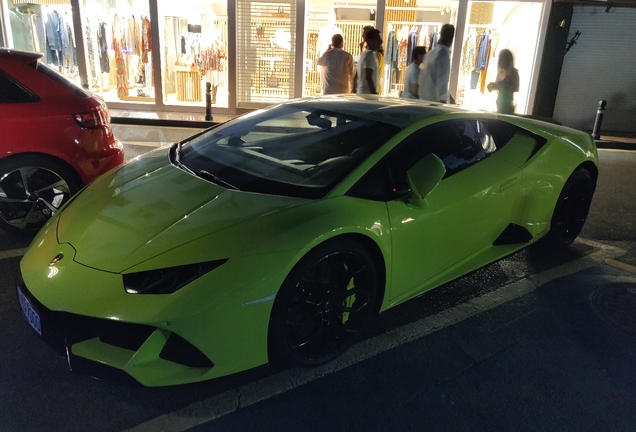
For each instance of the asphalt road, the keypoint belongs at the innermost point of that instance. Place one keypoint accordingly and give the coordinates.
(533, 342)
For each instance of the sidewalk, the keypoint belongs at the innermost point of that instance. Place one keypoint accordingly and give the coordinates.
(167, 118)
(617, 140)
(610, 140)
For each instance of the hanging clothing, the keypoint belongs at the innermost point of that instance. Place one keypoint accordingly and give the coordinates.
(146, 39)
(102, 42)
(481, 60)
(54, 38)
(89, 49)
(120, 63)
(412, 40)
(213, 55)
(468, 54)
(433, 39)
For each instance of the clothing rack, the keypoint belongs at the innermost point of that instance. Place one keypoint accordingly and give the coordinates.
(417, 23)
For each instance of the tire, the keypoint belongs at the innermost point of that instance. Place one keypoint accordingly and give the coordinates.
(572, 208)
(324, 305)
(25, 182)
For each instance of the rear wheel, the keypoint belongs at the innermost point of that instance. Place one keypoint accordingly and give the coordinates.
(32, 187)
(572, 208)
(324, 305)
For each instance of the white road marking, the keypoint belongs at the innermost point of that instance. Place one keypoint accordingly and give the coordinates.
(12, 253)
(219, 405)
(620, 265)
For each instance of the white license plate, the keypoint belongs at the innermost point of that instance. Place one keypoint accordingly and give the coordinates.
(30, 314)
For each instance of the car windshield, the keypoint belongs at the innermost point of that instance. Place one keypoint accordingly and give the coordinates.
(292, 150)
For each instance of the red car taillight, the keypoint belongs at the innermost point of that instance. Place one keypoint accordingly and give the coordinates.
(93, 119)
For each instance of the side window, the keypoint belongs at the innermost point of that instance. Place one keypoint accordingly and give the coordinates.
(11, 91)
(458, 143)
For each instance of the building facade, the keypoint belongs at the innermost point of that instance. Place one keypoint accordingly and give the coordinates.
(159, 54)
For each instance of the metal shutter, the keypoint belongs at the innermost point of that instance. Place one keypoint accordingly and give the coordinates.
(602, 65)
(266, 52)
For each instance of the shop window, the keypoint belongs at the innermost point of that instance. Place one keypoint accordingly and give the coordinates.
(194, 49)
(491, 27)
(409, 25)
(321, 27)
(47, 30)
(118, 40)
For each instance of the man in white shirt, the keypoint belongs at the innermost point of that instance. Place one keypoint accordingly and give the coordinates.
(436, 73)
(338, 66)
(412, 76)
(368, 67)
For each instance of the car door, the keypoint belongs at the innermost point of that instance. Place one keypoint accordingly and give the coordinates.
(462, 216)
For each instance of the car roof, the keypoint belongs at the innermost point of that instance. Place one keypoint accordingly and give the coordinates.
(396, 111)
(19, 55)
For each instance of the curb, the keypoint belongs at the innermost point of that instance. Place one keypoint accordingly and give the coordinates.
(602, 144)
(198, 124)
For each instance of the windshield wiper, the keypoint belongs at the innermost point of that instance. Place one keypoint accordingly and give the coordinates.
(209, 176)
(199, 173)
(177, 159)
(177, 153)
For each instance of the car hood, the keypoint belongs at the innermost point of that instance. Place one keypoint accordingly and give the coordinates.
(149, 207)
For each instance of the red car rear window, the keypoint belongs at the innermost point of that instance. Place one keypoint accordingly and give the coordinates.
(12, 91)
(58, 77)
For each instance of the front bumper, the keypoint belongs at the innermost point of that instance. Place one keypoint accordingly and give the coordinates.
(113, 349)
(215, 326)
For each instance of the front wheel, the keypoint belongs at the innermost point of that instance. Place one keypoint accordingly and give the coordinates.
(324, 305)
(32, 187)
(572, 208)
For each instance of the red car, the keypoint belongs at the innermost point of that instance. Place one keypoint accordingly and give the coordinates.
(55, 137)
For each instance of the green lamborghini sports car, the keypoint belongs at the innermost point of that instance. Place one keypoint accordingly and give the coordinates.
(279, 235)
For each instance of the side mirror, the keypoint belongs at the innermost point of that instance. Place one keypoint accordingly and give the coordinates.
(425, 175)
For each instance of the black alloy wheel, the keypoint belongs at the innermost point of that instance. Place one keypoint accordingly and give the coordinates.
(324, 305)
(32, 187)
(572, 208)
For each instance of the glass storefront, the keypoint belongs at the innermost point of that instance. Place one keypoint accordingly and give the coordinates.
(491, 27)
(407, 25)
(44, 27)
(118, 40)
(193, 47)
(159, 54)
(325, 20)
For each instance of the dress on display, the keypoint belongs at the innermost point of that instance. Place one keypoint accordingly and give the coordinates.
(120, 62)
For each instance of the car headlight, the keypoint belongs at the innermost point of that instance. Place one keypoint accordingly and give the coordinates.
(167, 280)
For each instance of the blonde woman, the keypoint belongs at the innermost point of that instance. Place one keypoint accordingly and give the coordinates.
(507, 82)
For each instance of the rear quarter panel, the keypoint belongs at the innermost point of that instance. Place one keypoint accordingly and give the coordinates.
(546, 172)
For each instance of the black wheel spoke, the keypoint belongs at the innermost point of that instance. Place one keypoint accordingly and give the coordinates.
(22, 223)
(25, 181)
(13, 200)
(328, 306)
(59, 184)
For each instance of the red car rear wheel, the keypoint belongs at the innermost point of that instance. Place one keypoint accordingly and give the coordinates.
(32, 187)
